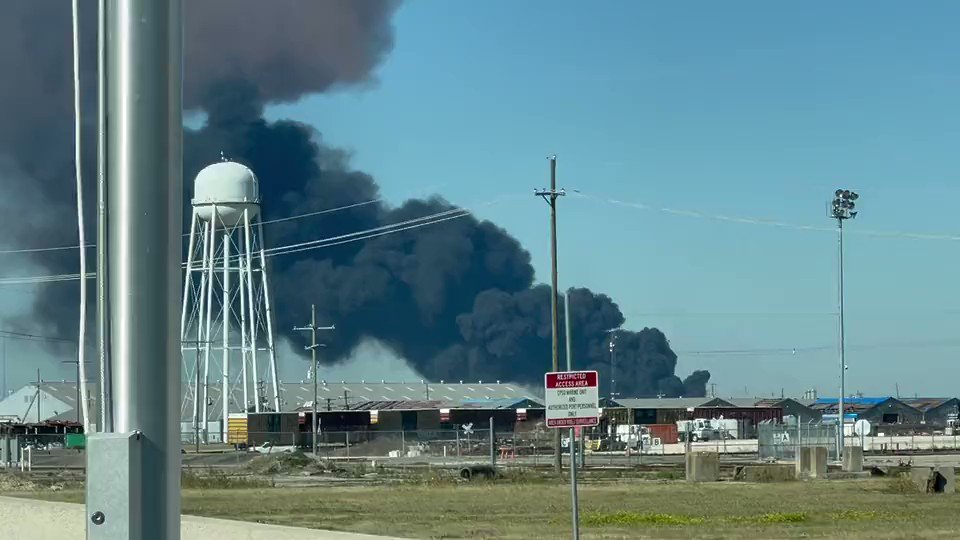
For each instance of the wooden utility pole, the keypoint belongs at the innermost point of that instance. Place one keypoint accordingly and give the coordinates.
(313, 358)
(551, 196)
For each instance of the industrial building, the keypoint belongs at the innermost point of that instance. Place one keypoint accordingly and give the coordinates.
(879, 411)
(938, 412)
(46, 401)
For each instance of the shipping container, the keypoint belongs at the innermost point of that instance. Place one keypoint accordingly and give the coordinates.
(667, 433)
(237, 428)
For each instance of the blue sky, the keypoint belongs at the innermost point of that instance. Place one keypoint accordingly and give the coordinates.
(757, 109)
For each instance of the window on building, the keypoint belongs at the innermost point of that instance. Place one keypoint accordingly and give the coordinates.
(891, 418)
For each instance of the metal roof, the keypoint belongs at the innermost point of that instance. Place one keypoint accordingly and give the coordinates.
(927, 404)
(853, 401)
(776, 402)
(294, 396)
(662, 403)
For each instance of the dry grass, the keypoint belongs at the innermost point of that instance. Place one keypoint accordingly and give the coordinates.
(836, 509)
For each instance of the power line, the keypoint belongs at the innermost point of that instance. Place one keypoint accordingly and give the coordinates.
(432, 219)
(753, 220)
(268, 222)
(33, 337)
(774, 351)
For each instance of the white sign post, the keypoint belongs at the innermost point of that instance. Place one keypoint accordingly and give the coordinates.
(573, 401)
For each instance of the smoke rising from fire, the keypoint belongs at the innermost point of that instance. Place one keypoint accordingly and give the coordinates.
(457, 300)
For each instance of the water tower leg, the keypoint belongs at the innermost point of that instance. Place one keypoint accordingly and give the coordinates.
(225, 363)
(242, 293)
(269, 317)
(211, 259)
(248, 253)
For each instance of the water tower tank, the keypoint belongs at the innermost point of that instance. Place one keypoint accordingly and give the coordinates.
(229, 186)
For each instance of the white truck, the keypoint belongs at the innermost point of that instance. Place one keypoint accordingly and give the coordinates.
(707, 429)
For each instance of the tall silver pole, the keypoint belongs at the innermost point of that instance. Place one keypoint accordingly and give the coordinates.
(573, 487)
(569, 343)
(106, 417)
(145, 204)
(843, 360)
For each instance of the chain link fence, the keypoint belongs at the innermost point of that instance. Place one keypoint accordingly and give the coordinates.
(782, 441)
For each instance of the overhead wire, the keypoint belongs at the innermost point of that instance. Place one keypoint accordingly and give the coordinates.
(753, 220)
(409, 224)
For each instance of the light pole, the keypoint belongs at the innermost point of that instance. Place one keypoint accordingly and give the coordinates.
(841, 209)
(613, 362)
(313, 357)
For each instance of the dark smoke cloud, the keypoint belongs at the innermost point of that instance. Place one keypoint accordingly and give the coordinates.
(457, 300)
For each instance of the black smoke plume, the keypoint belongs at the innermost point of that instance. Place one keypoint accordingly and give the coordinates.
(457, 300)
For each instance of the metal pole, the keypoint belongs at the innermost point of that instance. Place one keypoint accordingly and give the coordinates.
(573, 487)
(103, 341)
(145, 203)
(843, 361)
(493, 446)
(568, 331)
(313, 359)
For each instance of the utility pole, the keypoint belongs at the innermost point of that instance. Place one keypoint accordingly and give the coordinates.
(313, 358)
(551, 196)
(841, 209)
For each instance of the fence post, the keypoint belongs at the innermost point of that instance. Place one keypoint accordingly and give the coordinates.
(493, 449)
(347, 433)
(403, 443)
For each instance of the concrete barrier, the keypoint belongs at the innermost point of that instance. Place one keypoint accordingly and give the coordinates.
(24, 519)
(852, 459)
(802, 463)
(812, 462)
(818, 462)
(703, 466)
(775, 472)
(936, 479)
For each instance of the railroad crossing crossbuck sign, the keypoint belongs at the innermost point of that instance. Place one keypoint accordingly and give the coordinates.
(572, 399)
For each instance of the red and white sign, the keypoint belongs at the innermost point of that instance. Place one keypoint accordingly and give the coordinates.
(572, 399)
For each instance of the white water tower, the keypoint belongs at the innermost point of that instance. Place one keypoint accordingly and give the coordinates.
(226, 319)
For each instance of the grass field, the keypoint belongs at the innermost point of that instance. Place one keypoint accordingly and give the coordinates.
(834, 509)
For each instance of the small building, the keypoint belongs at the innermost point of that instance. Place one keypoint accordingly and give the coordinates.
(801, 409)
(937, 412)
(657, 410)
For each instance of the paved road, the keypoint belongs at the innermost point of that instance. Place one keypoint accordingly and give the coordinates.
(23, 519)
